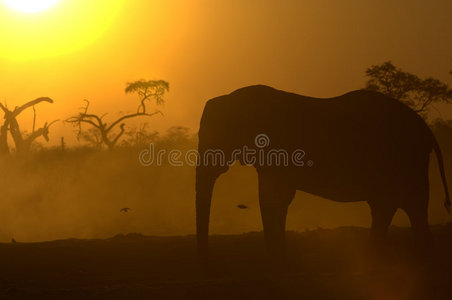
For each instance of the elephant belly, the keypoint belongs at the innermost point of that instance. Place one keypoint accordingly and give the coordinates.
(338, 189)
(352, 182)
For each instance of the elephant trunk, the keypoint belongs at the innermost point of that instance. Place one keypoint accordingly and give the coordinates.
(205, 181)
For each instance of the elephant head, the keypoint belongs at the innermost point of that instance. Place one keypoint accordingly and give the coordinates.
(225, 128)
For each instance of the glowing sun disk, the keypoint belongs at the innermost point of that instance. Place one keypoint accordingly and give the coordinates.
(66, 27)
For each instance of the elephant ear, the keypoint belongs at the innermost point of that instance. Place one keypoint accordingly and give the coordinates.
(211, 126)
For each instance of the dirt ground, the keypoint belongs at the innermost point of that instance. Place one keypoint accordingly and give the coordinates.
(321, 264)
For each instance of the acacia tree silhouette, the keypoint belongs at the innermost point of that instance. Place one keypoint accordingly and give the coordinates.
(102, 133)
(419, 94)
(22, 141)
(146, 90)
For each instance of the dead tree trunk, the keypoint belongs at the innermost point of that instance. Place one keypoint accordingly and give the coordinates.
(23, 144)
(4, 149)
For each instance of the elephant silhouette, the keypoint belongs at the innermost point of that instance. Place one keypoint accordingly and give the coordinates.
(362, 146)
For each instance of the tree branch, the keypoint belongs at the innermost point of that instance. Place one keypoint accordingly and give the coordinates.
(131, 116)
(20, 109)
(115, 140)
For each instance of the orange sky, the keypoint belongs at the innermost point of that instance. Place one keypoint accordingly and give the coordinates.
(205, 48)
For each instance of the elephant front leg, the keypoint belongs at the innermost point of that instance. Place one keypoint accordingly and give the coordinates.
(275, 195)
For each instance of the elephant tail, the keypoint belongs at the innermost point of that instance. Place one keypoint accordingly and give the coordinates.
(439, 157)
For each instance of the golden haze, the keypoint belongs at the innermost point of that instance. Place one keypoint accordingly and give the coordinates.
(206, 48)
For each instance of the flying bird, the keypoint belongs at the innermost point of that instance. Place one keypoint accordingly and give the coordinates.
(242, 206)
(125, 209)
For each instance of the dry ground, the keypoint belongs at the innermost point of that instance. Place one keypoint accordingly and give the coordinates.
(321, 264)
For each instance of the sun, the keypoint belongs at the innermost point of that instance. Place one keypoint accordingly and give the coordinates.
(37, 29)
(30, 6)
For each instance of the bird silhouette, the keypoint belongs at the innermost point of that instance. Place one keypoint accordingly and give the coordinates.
(13, 241)
(242, 206)
(125, 209)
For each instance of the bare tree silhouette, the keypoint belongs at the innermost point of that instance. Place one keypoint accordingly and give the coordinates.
(22, 141)
(419, 94)
(102, 133)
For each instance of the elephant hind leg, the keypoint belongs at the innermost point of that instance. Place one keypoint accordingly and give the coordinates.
(382, 214)
(275, 195)
(417, 212)
(416, 207)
